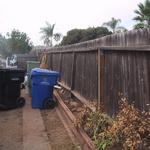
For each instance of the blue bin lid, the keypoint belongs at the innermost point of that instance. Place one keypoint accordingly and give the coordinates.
(39, 71)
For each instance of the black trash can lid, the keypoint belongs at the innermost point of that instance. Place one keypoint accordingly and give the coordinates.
(11, 70)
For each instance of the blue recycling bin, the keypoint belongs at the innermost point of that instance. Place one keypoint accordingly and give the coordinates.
(43, 82)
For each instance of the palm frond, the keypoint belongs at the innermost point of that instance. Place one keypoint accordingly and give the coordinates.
(143, 12)
(138, 18)
(141, 6)
(139, 13)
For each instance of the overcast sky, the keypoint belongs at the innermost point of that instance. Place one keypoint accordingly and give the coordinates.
(30, 15)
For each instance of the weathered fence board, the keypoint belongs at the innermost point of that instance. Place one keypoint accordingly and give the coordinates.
(66, 68)
(86, 74)
(126, 73)
(55, 61)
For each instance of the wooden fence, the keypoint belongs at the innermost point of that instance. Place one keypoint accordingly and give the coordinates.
(102, 69)
(22, 61)
(126, 72)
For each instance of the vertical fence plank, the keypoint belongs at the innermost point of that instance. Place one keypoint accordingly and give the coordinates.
(101, 78)
(60, 62)
(48, 60)
(101, 69)
(99, 81)
(51, 65)
(60, 65)
(67, 60)
(73, 71)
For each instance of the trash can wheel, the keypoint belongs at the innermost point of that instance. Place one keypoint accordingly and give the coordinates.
(3, 107)
(49, 103)
(20, 102)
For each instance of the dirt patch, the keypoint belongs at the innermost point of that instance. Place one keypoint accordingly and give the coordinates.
(11, 130)
(57, 134)
(75, 106)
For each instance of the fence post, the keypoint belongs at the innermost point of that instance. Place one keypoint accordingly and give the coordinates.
(48, 60)
(60, 64)
(99, 83)
(101, 69)
(51, 61)
(73, 71)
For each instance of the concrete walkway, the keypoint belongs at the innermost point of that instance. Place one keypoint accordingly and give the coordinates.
(34, 133)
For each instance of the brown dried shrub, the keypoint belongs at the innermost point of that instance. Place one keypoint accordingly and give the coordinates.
(130, 130)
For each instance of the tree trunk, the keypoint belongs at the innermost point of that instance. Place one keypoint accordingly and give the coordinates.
(51, 43)
(148, 22)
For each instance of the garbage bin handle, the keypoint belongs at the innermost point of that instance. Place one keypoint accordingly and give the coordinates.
(41, 83)
(45, 83)
(15, 79)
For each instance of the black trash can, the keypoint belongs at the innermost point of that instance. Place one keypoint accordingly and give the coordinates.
(10, 85)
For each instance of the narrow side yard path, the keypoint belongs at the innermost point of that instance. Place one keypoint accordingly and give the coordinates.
(33, 129)
(34, 133)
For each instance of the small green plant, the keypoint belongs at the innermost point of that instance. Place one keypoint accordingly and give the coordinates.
(101, 145)
(95, 122)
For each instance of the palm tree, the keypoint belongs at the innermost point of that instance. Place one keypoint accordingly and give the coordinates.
(143, 15)
(113, 25)
(48, 34)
